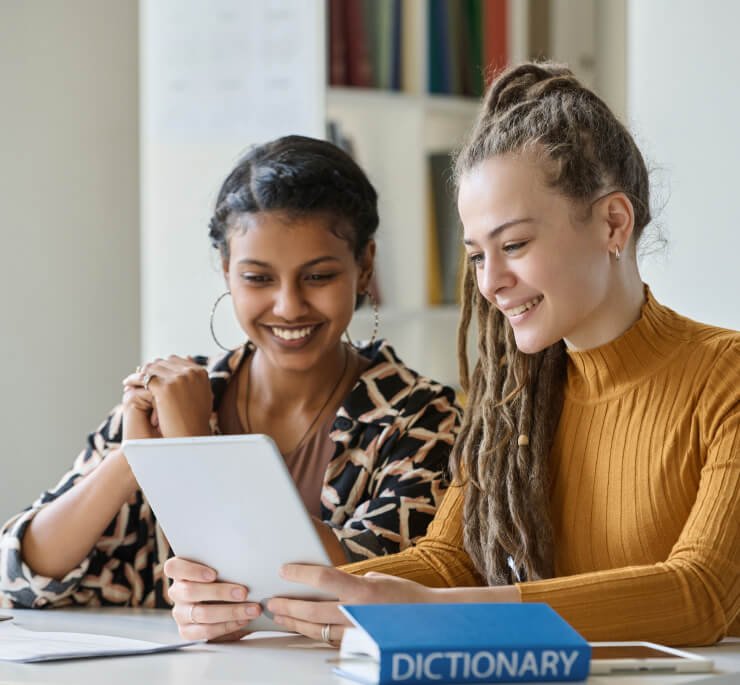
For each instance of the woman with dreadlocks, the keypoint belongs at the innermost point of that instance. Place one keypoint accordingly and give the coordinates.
(598, 466)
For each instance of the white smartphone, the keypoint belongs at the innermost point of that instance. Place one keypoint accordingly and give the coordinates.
(639, 657)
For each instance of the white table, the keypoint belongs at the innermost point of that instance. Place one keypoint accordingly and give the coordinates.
(285, 660)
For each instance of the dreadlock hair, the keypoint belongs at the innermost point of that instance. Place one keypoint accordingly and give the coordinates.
(515, 399)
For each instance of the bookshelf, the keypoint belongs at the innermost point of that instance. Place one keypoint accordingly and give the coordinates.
(393, 134)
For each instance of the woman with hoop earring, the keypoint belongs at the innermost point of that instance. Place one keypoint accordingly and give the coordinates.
(365, 438)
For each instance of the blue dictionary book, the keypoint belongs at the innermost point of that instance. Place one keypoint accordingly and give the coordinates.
(460, 643)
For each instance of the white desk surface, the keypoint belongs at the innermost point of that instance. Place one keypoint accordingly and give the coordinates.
(284, 660)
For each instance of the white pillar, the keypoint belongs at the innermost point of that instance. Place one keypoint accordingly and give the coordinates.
(683, 102)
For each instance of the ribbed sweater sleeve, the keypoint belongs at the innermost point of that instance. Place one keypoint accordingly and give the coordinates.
(691, 598)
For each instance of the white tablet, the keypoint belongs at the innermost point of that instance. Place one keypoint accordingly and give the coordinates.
(644, 657)
(230, 503)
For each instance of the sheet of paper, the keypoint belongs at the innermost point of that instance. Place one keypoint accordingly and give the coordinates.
(27, 646)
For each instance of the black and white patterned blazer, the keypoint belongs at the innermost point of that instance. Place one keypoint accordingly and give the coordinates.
(393, 435)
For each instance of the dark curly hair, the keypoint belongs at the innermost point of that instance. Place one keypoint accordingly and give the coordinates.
(298, 175)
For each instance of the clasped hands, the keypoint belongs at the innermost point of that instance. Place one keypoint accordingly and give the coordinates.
(207, 609)
(167, 398)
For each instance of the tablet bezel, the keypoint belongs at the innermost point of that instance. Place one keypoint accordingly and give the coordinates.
(685, 663)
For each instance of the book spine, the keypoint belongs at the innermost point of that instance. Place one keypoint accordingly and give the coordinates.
(413, 667)
(474, 40)
(412, 78)
(495, 36)
(337, 44)
(439, 70)
(446, 224)
(396, 49)
(384, 19)
(359, 66)
(455, 48)
(371, 23)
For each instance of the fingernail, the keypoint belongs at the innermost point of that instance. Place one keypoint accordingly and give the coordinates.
(238, 593)
(209, 574)
(278, 619)
(252, 611)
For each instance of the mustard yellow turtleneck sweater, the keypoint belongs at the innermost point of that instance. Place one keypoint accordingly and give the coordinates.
(645, 493)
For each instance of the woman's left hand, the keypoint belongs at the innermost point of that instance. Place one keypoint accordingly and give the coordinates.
(181, 395)
(311, 617)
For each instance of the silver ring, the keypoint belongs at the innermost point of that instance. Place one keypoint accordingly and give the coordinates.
(325, 633)
(147, 379)
(190, 613)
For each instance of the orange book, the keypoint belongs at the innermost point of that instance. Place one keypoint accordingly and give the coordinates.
(495, 37)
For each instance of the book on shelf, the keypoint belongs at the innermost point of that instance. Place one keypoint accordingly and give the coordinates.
(439, 47)
(337, 44)
(495, 43)
(473, 62)
(357, 40)
(365, 43)
(460, 643)
(445, 251)
(376, 44)
(410, 38)
(467, 40)
(434, 276)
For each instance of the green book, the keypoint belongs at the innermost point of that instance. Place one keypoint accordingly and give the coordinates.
(456, 48)
(447, 225)
(474, 43)
(370, 22)
(384, 17)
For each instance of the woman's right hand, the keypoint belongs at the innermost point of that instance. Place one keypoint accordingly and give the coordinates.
(205, 609)
(139, 413)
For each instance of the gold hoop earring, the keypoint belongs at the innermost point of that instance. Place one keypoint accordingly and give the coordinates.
(213, 312)
(376, 321)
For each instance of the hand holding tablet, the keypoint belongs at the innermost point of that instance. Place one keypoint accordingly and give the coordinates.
(227, 503)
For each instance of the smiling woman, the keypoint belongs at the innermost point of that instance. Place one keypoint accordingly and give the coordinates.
(365, 438)
(598, 465)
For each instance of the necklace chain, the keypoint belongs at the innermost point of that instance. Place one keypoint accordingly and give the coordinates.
(315, 418)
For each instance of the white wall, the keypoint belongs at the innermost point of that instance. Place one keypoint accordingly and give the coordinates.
(216, 77)
(683, 103)
(69, 289)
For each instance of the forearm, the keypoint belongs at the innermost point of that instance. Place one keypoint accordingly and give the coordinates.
(62, 534)
(470, 595)
(678, 602)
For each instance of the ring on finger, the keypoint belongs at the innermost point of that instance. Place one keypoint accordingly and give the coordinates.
(147, 379)
(190, 614)
(326, 633)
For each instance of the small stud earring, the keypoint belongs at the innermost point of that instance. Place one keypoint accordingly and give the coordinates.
(617, 253)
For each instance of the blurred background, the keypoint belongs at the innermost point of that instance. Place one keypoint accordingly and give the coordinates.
(119, 120)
